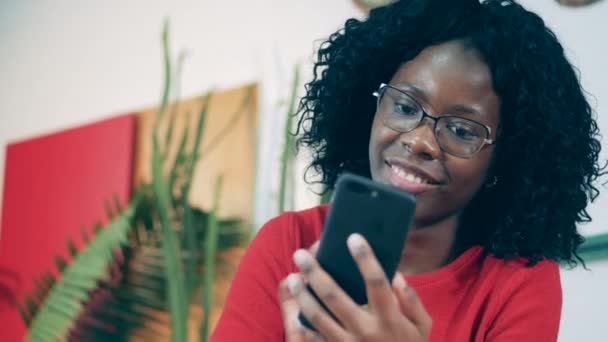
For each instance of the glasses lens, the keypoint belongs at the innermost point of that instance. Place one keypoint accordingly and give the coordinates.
(459, 136)
(399, 111)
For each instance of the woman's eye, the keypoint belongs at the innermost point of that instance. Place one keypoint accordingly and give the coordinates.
(463, 132)
(405, 109)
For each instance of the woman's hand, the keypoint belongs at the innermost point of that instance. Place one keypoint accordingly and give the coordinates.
(393, 313)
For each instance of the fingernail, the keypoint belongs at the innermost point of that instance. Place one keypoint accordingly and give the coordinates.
(400, 282)
(303, 259)
(356, 244)
(294, 284)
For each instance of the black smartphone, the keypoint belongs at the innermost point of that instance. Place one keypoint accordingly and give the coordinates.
(380, 213)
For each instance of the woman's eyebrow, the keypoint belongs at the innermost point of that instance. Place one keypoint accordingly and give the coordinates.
(408, 87)
(465, 110)
(419, 92)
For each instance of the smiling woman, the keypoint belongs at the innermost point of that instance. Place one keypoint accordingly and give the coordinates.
(473, 107)
(449, 148)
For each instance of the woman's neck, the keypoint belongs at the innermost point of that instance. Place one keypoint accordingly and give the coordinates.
(429, 247)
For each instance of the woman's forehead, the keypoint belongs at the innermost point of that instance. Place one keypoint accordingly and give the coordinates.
(448, 62)
(449, 75)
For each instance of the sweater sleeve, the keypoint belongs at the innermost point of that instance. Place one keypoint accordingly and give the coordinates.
(252, 311)
(531, 307)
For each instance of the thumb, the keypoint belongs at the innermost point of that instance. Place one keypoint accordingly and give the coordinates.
(289, 309)
(411, 306)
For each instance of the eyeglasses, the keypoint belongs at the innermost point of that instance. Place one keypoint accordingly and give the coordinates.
(455, 135)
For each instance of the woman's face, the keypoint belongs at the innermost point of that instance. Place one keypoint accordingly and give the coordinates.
(446, 79)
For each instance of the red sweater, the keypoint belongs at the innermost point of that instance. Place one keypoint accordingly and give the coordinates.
(474, 298)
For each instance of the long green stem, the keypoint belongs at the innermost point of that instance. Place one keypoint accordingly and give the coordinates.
(189, 230)
(172, 254)
(288, 147)
(210, 248)
(191, 247)
(173, 271)
(200, 125)
(167, 80)
(175, 107)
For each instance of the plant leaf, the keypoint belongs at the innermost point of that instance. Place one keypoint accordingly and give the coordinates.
(200, 125)
(109, 210)
(180, 158)
(60, 263)
(167, 75)
(58, 312)
(175, 106)
(72, 248)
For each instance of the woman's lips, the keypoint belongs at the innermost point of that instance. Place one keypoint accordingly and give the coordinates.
(408, 181)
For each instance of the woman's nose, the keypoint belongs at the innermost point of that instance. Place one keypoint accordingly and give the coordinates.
(421, 141)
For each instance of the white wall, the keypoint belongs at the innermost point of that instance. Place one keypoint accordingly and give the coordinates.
(585, 303)
(69, 62)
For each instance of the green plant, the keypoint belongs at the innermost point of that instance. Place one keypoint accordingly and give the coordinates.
(66, 297)
(287, 154)
(131, 273)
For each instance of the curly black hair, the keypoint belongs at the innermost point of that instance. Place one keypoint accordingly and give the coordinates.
(546, 157)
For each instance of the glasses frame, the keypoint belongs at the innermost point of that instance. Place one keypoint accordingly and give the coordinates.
(486, 141)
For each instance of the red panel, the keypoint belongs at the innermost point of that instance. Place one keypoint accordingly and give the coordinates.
(53, 186)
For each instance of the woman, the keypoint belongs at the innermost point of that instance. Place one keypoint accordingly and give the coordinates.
(477, 112)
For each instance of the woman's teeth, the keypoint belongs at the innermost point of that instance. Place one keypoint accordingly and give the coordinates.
(408, 176)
